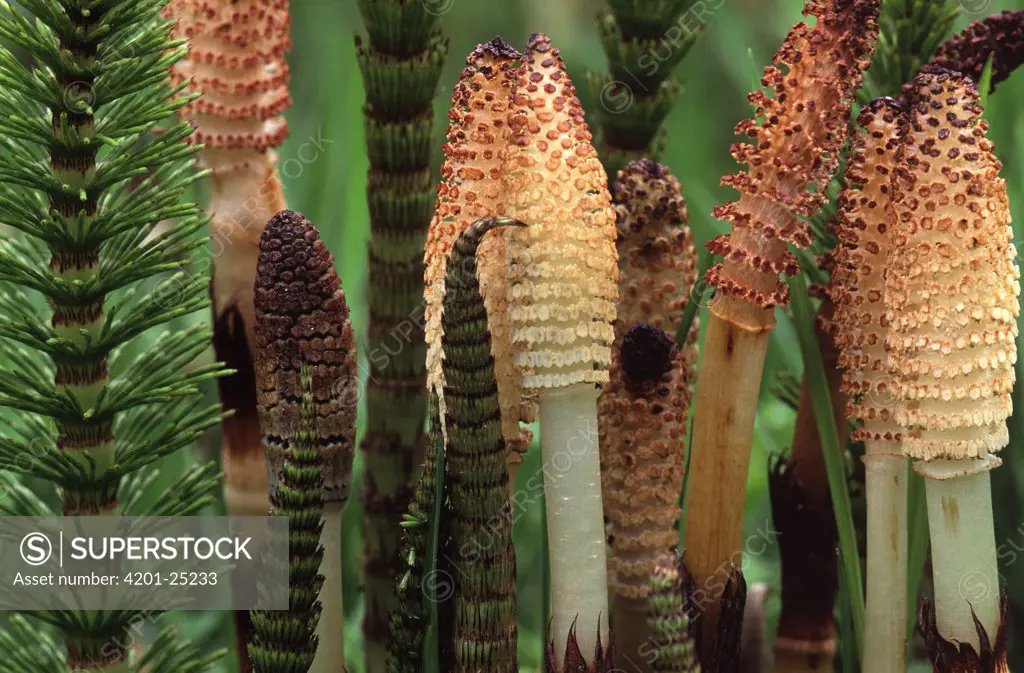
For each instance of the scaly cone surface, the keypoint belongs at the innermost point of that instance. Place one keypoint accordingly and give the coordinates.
(865, 228)
(302, 320)
(642, 420)
(236, 60)
(401, 62)
(951, 292)
(657, 260)
(951, 299)
(485, 633)
(562, 307)
(865, 234)
(798, 133)
(1000, 36)
(471, 188)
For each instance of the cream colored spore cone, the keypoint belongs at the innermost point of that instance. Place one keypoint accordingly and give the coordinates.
(953, 283)
(864, 229)
(563, 270)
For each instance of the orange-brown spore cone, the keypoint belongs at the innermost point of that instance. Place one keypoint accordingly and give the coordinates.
(865, 232)
(797, 135)
(657, 260)
(471, 189)
(237, 60)
(953, 282)
(642, 427)
(563, 266)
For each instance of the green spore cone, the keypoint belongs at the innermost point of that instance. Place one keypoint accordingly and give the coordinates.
(480, 551)
(285, 641)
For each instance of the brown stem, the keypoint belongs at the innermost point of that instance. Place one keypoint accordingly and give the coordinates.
(806, 456)
(806, 635)
(237, 232)
(723, 428)
(633, 647)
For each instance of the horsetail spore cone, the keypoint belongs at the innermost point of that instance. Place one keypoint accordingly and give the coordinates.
(1000, 36)
(302, 320)
(84, 184)
(951, 298)
(236, 60)
(673, 646)
(286, 641)
(798, 133)
(401, 63)
(642, 420)
(471, 188)
(562, 307)
(485, 630)
(865, 230)
(657, 260)
(643, 415)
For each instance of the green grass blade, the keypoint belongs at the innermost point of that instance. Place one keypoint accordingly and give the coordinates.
(430, 655)
(698, 293)
(985, 85)
(814, 370)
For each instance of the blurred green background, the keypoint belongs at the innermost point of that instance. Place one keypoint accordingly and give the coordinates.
(324, 169)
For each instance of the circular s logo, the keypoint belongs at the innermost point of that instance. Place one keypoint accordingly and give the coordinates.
(36, 549)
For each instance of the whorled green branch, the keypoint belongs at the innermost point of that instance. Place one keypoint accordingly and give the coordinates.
(644, 41)
(909, 32)
(86, 187)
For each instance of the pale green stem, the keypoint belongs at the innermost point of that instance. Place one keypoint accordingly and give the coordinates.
(964, 567)
(885, 613)
(575, 516)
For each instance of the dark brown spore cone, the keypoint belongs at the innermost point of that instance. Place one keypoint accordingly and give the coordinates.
(602, 659)
(498, 48)
(947, 657)
(967, 52)
(807, 545)
(302, 319)
(647, 353)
